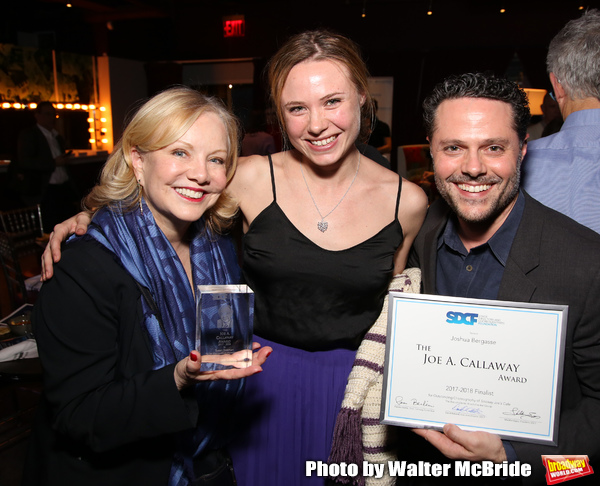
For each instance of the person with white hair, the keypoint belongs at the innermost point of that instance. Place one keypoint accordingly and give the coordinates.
(563, 169)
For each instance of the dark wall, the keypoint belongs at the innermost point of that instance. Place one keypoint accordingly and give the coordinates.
(397, 37)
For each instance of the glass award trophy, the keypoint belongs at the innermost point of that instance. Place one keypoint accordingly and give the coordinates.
(224, 318)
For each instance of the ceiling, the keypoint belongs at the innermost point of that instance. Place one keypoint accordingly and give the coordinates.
(397, 37)
(183, 29)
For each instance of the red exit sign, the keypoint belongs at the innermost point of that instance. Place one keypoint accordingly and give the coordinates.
(234, 26)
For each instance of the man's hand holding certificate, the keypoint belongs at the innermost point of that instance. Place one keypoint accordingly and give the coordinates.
(482, 365)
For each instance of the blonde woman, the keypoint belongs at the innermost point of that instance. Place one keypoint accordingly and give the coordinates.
(325, 229)
(125, 401)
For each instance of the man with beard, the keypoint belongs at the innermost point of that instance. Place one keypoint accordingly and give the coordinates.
(486, 238)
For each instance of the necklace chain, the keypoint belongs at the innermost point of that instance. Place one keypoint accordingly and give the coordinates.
(322, 225)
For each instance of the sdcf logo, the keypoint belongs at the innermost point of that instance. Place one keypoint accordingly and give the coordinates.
(453, 317)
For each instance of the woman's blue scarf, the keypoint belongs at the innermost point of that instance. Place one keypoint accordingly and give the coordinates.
(144, 251)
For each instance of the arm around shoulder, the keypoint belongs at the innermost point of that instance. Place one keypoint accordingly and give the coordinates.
(98, 372)
(75, 225)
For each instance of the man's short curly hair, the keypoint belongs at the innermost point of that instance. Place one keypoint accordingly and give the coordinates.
(478, 85)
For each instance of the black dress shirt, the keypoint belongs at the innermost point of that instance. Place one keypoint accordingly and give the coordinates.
(477, 273)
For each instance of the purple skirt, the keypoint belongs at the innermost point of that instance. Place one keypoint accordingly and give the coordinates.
(288, 414)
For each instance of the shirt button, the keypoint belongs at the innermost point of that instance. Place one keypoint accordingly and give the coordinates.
(469, 268)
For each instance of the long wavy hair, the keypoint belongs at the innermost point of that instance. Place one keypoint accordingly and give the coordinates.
(161, 121)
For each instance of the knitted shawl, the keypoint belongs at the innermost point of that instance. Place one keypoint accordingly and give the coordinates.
(358, 435)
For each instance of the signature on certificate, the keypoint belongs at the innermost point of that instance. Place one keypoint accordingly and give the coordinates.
(520, 413)
(466, 408)
(413, 401)
(400, 401)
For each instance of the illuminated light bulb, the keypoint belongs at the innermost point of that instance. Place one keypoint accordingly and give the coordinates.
(91, 130)
(102, 108)
(33, 106)
(84, 107)
(92, 140)
(429, 12)
(105, 140)
(103, 120)
(90, 120)
(581, 7)
(17, 105)
(231, 86)
(103, 130)
(5, 105)
(76, 106)
(60, 106)
(502, 10)
(69, 106)
(92, 107)
(69, 5)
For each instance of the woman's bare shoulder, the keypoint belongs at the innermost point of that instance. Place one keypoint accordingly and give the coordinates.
(250, 170)
(413, 194)
(413, 206)
(251, 166)
(378, 171)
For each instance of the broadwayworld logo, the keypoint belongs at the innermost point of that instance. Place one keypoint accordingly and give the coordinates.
(564, 468)
(454, 317)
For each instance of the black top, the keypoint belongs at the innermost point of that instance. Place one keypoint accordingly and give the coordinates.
(309, 297)
(106, 417)
(476, 273)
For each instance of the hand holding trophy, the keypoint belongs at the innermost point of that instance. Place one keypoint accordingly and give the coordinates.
(224, 323)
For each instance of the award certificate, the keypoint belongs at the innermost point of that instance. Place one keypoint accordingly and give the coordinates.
(480, 364)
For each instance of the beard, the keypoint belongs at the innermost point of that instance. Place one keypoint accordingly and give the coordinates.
(484, 211)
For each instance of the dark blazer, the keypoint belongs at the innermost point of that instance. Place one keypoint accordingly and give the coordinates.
(35, 162)
(552, 260)
(106, 417)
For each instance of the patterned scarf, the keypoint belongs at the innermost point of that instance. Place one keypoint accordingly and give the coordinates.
(144, 251)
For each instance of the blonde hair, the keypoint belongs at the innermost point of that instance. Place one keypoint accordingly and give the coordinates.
(321, 45)
(161, 121)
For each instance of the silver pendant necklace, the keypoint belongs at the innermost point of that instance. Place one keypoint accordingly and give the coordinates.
(322, 225)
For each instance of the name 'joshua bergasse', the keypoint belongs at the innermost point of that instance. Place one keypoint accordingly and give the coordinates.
(472, 340)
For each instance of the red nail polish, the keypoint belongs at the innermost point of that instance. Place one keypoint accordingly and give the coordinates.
(193, 357)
